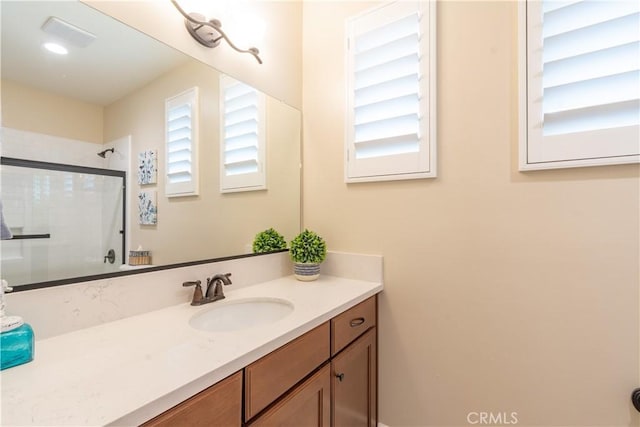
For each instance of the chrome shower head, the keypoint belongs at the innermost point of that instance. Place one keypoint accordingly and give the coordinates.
(103, 154)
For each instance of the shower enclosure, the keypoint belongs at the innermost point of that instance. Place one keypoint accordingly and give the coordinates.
(67, 221)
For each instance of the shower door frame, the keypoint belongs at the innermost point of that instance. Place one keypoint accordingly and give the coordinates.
(61, 167)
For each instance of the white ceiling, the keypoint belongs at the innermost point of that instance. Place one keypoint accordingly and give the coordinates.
(120, 60)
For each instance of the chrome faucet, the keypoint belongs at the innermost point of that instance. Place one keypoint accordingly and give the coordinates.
(210, 296)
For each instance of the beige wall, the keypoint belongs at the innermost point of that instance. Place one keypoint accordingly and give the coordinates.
(38, 111)
(504, 291)
(280, 48)
(211, 224)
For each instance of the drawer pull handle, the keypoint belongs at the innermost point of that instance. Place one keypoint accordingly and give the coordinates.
(340, 377)
(357, 322)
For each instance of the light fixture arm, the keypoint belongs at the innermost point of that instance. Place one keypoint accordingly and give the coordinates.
(212, 37)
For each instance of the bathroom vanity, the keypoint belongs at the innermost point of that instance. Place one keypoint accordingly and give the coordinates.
(318, 361)
(327, 376)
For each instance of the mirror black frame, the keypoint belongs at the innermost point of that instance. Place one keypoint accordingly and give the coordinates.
(82, 279)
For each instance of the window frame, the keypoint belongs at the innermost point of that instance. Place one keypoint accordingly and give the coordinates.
(531, 149)
(254, 181)
(191, 187)
(427, 157)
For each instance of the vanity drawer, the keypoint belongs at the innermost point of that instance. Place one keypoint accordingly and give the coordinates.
(268, 378)
(219, 405)
(349, 325)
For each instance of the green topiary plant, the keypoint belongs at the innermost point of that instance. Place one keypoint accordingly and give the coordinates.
(308, 247)
(268, 241)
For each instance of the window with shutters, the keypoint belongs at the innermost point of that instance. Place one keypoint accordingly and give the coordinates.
(390, 127)
(181, 159)
(579, 83)
(243, 141)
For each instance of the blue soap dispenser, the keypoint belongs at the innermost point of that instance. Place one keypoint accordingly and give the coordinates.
(16, 337)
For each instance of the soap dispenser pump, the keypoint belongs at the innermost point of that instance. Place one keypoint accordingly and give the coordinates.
(8, 322)
(16, 337)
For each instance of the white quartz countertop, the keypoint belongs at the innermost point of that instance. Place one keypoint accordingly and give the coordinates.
(128, 371)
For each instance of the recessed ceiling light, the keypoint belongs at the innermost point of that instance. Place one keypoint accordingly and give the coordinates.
(56, 48)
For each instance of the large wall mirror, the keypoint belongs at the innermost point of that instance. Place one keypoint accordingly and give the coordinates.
(71, 124)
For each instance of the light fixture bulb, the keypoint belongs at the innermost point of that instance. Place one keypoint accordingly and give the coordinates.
(56, 48)
(248, 29)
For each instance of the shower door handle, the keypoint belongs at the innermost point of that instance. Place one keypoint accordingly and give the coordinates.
(110, 256)
(30, 236)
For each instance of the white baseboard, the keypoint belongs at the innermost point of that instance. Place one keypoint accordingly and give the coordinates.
(382, 425)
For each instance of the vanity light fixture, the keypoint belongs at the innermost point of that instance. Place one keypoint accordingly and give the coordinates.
(209, 33)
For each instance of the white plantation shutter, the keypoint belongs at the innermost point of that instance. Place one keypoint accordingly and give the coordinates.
(391, 93)
(583, 83)
(242, 148)
(181, 112)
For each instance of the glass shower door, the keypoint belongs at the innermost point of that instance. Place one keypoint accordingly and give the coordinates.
(64, 218)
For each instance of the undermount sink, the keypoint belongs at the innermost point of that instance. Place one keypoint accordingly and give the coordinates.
(234, 315)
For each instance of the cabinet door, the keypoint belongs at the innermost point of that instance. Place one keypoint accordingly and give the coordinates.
(219, 405)
(271, 376)
(354, 383)
(309, 404)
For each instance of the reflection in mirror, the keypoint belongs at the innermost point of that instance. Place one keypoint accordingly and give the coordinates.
(111, 94)
(51, 208)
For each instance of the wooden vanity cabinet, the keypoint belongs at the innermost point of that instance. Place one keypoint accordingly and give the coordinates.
(326, 377)
(354, 366)
(350, 375)
(354, 383)
(219, 405)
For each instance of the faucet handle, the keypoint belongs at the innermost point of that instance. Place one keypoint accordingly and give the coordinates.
(197, 293)
(192, 283)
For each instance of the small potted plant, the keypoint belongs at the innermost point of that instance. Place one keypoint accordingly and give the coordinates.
(307, 251)
(268, 241)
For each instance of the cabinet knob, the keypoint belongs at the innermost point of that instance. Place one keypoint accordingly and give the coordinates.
(340, 377)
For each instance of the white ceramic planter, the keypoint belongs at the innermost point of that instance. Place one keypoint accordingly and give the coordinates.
(306, 272)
